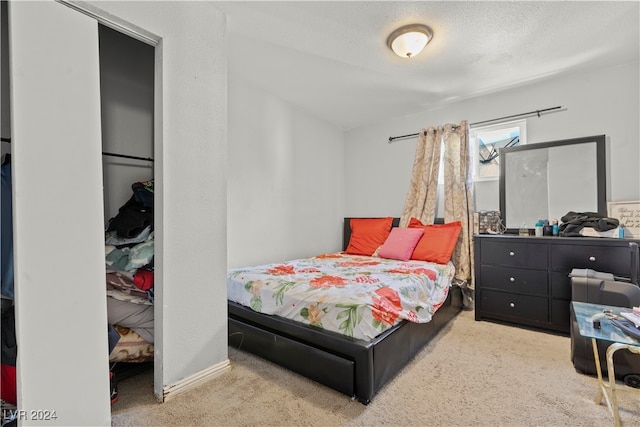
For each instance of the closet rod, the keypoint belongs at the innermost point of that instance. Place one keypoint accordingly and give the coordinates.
(126, 156)
(104, 153)
(536, 112)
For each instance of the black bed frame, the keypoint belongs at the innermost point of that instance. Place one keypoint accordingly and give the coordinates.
(354, 367)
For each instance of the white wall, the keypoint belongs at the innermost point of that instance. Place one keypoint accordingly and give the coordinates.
(286, 180)
(602, 101)
(58, 201)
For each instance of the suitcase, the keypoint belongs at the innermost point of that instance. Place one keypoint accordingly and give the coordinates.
(603, 288)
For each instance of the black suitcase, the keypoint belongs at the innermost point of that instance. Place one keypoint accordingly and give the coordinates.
(603, 288)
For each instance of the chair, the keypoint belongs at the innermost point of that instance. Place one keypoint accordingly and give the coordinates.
(603, 288)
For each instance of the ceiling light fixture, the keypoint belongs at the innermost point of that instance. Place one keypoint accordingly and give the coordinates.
(408, 41)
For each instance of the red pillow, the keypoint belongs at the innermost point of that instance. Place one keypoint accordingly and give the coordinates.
(437, 242)
(401, 243)
(367, 234)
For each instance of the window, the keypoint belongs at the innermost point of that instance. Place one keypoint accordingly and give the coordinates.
(485, 143)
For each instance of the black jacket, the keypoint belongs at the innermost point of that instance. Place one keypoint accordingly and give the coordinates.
(573, 222)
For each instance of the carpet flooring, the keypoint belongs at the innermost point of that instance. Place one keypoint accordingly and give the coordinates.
(471, 374)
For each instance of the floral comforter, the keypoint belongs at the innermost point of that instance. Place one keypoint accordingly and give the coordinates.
(357, 296)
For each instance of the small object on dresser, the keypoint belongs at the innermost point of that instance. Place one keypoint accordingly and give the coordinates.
(523, 231)
(488, 222)
(556, 228)
(539, 228)
(614, 233)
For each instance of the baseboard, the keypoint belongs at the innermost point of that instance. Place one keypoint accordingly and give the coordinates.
(170, 391)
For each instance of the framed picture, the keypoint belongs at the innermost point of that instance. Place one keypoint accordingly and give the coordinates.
(628, 213)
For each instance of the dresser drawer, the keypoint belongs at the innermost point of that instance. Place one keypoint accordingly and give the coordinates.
(560, 285)
(514, 254)
(520, 280)
(525, 280)
(560, 314)
(523, 307)
(608, 259)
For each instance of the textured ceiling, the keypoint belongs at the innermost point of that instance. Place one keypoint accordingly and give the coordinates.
(330, 57)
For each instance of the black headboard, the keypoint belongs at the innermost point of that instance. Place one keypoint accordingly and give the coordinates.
(346, 234)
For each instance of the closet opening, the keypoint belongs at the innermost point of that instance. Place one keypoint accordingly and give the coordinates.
(127, 115)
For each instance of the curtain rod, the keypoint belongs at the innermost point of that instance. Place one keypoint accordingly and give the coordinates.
(126, 156)
(536, 112)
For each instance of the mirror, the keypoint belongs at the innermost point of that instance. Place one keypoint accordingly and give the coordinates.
(549, 179)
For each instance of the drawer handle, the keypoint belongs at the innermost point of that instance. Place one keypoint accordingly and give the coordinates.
(512, 253)
(592, 258)
(512, 305)
(512, 279)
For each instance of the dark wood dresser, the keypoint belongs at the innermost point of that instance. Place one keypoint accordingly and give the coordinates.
(525, 280)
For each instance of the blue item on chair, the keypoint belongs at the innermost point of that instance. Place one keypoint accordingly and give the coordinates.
(627, 327)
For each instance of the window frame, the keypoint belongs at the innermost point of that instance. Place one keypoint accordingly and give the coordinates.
(476, 131)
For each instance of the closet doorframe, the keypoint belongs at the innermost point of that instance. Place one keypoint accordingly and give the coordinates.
(131, 30)
(190, 151)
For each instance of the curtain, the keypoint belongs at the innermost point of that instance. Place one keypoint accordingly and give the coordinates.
(421, 201)
(458, 202)
(423, 191)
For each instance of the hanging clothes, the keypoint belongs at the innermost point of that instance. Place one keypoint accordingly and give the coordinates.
(9, 354)
(6, 230)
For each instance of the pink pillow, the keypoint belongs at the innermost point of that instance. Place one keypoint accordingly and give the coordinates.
(401, 243)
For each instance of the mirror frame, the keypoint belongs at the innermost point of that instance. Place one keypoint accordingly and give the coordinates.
(600, 170)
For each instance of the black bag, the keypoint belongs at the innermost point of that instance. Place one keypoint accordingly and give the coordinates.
(133, 217)
(9, 342)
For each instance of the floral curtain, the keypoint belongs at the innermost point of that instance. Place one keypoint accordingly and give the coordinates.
(423, 191)
(458, 203)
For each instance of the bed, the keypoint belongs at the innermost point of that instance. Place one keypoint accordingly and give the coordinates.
(355, 366)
